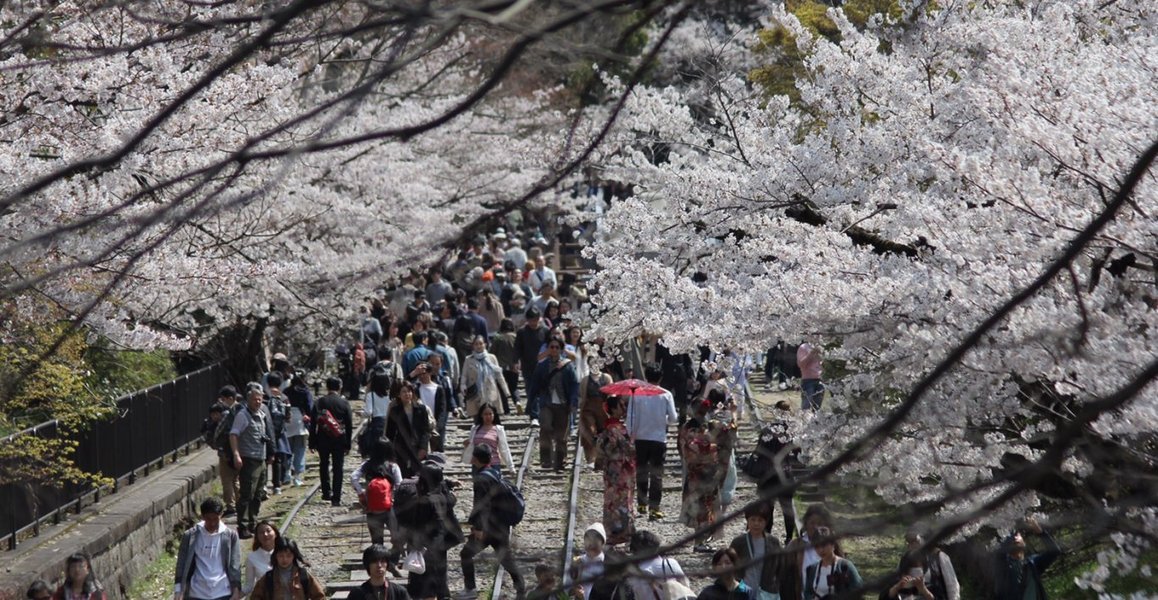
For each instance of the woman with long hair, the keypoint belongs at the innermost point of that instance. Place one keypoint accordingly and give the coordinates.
(80, 583)
(832, 575)
(488, 431)
(375, 409)
(288, 576)
(260, 558)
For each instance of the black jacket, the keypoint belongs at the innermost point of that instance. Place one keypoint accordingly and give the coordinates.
(340, 408)
(366, 592)
(528, 343)
(409, 435)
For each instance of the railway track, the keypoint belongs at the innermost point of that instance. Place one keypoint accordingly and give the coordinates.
(560, 506)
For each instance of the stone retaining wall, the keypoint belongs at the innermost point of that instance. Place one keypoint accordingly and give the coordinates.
(123, 533)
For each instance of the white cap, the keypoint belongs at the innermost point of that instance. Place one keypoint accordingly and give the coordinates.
(597, 528)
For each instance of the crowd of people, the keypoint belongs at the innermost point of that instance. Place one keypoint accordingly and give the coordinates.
(463, 340)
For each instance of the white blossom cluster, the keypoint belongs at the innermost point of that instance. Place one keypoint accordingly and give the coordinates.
(931, 170)
(280, 187)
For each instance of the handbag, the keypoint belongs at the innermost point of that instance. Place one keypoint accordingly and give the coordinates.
(671, 588)
(414, 562)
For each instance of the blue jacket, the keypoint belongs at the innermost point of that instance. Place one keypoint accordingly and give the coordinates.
(540, 383)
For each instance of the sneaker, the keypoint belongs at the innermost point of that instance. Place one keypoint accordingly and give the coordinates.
(704, 548)
(298, 482)
(655, 515)
(534, 422)
(467, 594)
(642, 509)
(230, 512)
(326, 497)
(336, 503)
(244, 533)
(783, 385)
(591, 466)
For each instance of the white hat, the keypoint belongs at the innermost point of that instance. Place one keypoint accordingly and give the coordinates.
(281, 357)
(597, 528)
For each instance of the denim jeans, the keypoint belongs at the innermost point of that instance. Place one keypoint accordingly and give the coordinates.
(811, 394)
(298, 446)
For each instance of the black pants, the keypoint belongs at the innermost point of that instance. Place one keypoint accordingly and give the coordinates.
(649, 472)
(786, 507)
(331, 481)
(512, 378)
(553, 435)
(501, 542)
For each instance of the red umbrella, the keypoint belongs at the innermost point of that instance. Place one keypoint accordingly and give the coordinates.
(632, 387)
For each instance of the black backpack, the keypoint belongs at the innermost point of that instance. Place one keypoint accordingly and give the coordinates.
(220, 439)
(507, 503)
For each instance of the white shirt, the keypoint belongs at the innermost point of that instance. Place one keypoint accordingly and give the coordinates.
(649, 416)
(209, 577)
(539, 276)
(589, 570)
(357, 478)
(428, 392)
(375, 406)
(810, 556)
(820, 581)
(257, 564)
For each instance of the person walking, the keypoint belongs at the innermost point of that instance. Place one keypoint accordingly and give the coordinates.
(555, 390)
(529, 340)
(251, 442)
(485, 529)
(648, 417)
(769, 572)
(209, 557)
(288, 576)
(80, 583)
(230, 477)
(503, 348)
(482, 379)
(376, 559)
(408, 428)
(592, 415)
(618, 456)
(301, 407)
(700, 452)
(332, 444)
(811, 388)
(833, 575)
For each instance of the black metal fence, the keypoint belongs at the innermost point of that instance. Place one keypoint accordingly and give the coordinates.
(152, 425)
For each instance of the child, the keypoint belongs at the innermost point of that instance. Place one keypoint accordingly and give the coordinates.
(588, 568)
(547, 587)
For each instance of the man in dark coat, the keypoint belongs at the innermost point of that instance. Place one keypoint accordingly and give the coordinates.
(529, 342)
(331, 450)
(485, 529)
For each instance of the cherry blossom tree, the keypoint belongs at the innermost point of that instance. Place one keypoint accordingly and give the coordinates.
(935, 165)
(178, 167)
